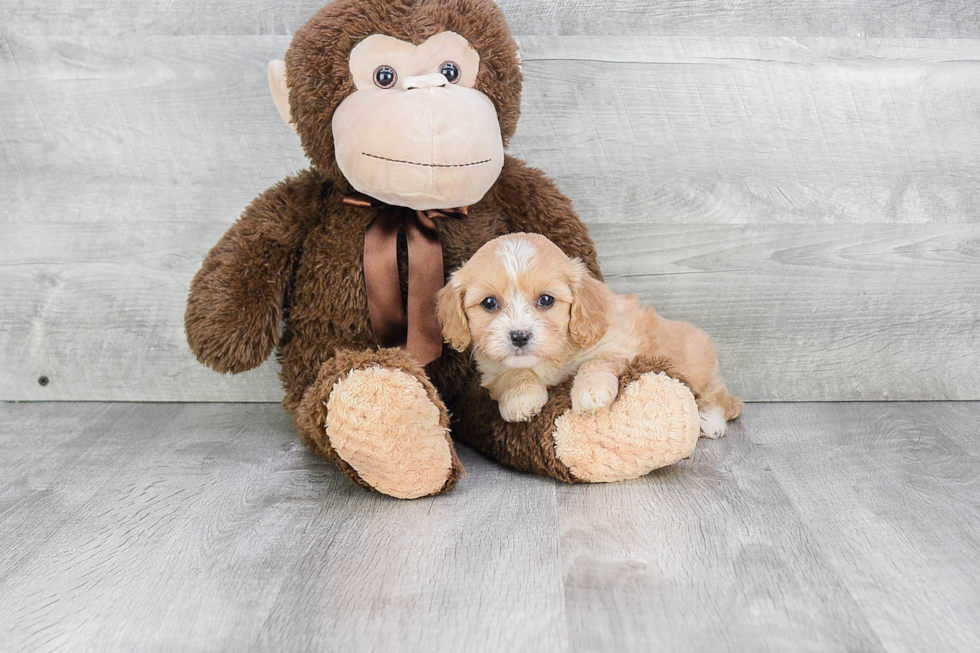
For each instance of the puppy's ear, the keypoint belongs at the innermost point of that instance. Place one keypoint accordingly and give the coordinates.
(452, 317)
(589, 317)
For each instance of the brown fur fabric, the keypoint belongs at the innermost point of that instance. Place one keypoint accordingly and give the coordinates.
(296, 255)
(289, 273)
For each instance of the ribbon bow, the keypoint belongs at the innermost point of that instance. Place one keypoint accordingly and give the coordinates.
(419, 331)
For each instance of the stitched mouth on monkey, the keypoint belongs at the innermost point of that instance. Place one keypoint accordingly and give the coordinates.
(427, 165)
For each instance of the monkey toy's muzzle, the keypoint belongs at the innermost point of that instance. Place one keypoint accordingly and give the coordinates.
(423, 146)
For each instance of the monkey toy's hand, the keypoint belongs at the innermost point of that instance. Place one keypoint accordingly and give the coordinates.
(235, 306)
(652, 422)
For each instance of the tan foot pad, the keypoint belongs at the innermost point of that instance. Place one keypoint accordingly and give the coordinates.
(383, 424)
(653, 423)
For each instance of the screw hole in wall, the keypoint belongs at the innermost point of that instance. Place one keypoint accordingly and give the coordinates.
(43, 381)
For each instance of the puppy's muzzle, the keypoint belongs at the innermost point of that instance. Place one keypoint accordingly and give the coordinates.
(520, 338)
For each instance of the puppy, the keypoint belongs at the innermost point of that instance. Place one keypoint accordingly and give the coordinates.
(536, 317)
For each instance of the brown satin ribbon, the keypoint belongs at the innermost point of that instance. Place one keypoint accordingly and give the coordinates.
(419, 331)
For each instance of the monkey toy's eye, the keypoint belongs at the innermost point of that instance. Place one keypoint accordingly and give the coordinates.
(385, 76)
(450, 71)
(546, 301)
(490, 303)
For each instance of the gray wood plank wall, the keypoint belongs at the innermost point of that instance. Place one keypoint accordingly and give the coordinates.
(801, 179)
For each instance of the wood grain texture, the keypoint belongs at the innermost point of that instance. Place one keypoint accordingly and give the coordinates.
(705, 556)
(815, 527)
(895, 18)
(820, 195)
(893, 499)
(757, 130)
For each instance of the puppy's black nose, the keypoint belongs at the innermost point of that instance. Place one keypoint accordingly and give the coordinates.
(520, 338)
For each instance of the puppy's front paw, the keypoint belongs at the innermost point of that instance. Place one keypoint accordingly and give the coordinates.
(594, 392)
(713, 424)
(521, 404)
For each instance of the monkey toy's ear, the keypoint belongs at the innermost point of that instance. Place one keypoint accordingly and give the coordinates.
(280, 92)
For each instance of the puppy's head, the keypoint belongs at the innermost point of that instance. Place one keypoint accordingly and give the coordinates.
(521, 301)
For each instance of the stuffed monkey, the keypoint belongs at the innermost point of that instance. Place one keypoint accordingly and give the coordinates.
(405, 108)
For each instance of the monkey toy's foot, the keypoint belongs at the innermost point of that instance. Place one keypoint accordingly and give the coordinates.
(376, 416)
(653, 423)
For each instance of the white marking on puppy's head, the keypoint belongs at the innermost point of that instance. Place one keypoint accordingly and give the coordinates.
(516, 254)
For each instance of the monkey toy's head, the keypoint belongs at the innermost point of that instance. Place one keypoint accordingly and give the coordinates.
(408, 101)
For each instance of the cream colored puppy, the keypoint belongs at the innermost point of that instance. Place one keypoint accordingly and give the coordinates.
(536, 317)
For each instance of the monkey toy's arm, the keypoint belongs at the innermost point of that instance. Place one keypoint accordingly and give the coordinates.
(236, 299)
(532, 203)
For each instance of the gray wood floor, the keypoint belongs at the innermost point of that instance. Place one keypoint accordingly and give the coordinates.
(822, 527)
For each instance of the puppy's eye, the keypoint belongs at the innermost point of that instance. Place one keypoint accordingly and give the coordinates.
(546, 301)
(490, 303)
(385, 76)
